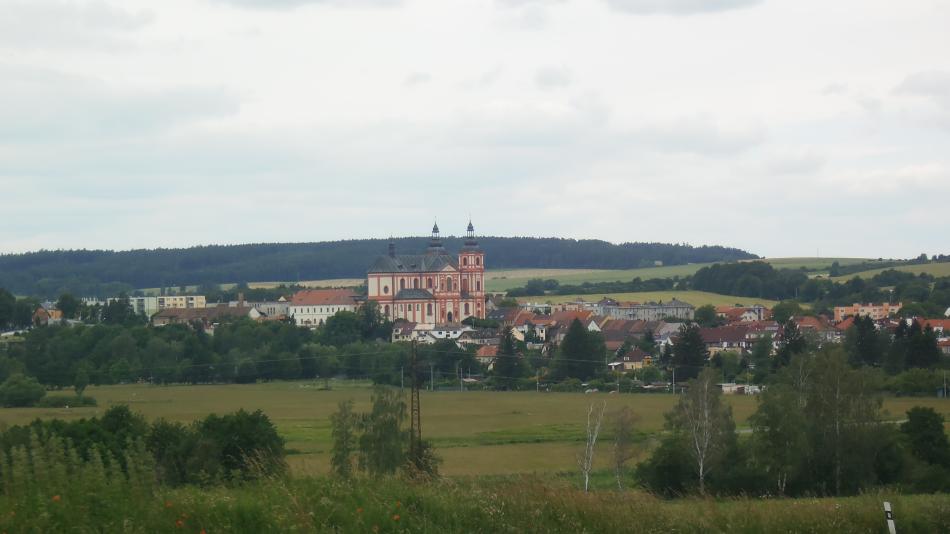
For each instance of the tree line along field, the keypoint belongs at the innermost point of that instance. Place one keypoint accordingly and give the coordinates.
(476, 433)
(499, 280)
(934, 269)
(696, 298)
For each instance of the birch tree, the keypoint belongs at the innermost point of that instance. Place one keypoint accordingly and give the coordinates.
(585, 460)
(623, 423)
(705, 422)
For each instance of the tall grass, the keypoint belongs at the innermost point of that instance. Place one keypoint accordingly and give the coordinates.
(53, 490)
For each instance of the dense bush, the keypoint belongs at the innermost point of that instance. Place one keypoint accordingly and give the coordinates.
(241, 445)
(20, 390)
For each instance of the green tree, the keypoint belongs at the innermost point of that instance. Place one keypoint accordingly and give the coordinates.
(382, 444)
(785, 310)
(343, 426)
(342, 329)
(865, 345)
(20, 391)
(509, 366)
(582, 353)
(705, 423)
(689, 352)
(68, 305)
(779, 445)
(793, 342)
(761, 358)
(706, 315)
(926, 437)
(80, 381)
(843, 414)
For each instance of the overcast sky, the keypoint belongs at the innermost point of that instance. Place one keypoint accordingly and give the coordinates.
(784, 127)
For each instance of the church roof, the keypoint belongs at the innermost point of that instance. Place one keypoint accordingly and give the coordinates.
(416, 263)
(413, 294)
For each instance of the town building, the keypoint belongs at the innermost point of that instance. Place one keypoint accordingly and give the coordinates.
(428, 333)
(872, 310)
(435, 287)
(649, 311)
(205, 318)
(312, 307)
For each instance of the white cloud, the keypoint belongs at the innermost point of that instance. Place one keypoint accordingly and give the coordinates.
(291, 4)
(679, 7)
(309, 117)
(60, 24)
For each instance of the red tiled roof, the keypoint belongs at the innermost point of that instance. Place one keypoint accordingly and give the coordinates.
(323, 297)
(567, 317)
(487, 351)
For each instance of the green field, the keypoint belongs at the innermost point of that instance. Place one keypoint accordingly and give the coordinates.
(696, 298)
(476, 433)
(820, 264)
(935, 269)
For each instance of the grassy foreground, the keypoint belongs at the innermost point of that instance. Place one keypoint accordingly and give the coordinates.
(478, 505)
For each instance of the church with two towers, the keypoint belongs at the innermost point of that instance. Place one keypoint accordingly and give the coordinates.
(435, 287)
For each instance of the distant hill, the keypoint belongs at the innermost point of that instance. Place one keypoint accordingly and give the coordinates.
(104, 272)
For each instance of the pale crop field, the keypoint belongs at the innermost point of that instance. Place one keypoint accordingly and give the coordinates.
(696, 298)
(476, 433)
(935, 269)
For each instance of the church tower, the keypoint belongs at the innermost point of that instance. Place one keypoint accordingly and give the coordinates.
(472, 270)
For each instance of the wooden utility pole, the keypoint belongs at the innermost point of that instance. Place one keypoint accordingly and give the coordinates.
(415, 418)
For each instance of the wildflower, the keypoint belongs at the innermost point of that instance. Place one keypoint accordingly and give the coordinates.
(398, 504)
(202, 532)
(375, 528)
(396, 517)
(179, 523)
(56, 498)
(168, 504)
(359, 510)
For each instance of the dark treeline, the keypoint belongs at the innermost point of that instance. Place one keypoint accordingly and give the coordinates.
(104, 273)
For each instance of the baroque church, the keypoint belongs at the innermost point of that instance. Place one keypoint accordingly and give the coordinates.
(435, 287)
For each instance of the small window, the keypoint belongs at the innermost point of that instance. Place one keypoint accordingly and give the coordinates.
(402, 284)
(429, 282)
(429, 309)
(478, 261)
(465, 260)
(415, 283)
(478, 285)
(386, 289)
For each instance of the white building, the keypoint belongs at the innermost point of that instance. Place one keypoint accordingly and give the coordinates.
(312, 307)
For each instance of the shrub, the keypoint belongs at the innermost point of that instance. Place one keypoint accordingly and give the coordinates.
(66, 401)
(20, 390)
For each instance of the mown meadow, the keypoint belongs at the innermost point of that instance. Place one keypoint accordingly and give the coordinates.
(476, 433)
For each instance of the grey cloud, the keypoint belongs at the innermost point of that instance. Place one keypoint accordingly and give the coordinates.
(553, 77)
(39, 105)
(678, 7)
(418, 78)
(932, 84)
(57, 24)
(802, 162)
(697, 136)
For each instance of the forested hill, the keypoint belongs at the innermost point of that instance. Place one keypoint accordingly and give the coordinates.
(99, 272)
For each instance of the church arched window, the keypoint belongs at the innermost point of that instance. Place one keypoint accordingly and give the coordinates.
(402, 284)
(429, 282)
(429, 309)
(415, 283)
(465, 260)
(466, 308)
(386, 310)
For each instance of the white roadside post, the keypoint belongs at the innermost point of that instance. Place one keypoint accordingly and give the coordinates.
(889, 516)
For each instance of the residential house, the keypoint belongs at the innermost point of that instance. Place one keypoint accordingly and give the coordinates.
(312, 307)
(207, 318)
(725, 338)
(872, 310)
(630, 360)
(428, 333)
(650, 311)
(486, 355)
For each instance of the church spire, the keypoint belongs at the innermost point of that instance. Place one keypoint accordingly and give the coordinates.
(435, 244)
